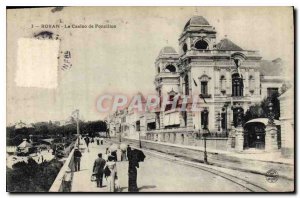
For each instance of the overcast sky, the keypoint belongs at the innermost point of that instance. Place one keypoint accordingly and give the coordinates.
(121, 60)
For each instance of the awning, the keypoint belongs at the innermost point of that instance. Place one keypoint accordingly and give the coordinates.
(262, 120)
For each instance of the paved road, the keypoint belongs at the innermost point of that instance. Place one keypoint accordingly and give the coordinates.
(154, 175)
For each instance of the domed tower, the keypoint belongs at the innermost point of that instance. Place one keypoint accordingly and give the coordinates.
(167, 76)
(197, 34)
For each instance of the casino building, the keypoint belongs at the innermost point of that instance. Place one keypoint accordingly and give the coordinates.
(226, 78)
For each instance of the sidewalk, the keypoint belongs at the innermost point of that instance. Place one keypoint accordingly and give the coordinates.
(251, 155)
(259, 163)
(82, 179)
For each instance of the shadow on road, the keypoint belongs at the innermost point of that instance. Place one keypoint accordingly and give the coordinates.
(147, 187)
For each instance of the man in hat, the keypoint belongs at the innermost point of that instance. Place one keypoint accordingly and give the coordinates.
(77, 157)
(98, 169)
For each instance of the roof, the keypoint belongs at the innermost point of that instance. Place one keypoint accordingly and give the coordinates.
(271, 68)
(226, 44)
(262, 120)
(167, 51)
(25, 144)
(196, 21)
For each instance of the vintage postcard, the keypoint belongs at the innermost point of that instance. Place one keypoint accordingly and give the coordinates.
(150, 99)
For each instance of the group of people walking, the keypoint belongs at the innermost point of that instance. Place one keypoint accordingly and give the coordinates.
(92, 140)
(105, 166)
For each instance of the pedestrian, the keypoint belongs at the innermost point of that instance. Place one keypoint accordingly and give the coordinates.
(77, 158)
(128, 151)
(107, 152)
(98, 140)
(92, 141)
(87, 141)
(98, 169)
(112, 179)
(114, 154)
(119, 155)
(101, 140)
(135, 156)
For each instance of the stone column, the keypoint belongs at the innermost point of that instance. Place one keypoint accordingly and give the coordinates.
(161, 120)
(189, 114)
(271, 138)
(231, 138)
(239, 138)
(228, 82)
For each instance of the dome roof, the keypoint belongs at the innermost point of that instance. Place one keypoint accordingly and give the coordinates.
(167, 50)
(197, 21)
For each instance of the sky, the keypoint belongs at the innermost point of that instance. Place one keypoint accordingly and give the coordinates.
(121, 59)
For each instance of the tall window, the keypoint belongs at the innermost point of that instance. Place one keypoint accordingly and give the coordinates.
(186, 84)
(223, 120)
(184, 48)
(222, 84)
(204, 79)
(204, 90)
(138, 126)
(237, 85)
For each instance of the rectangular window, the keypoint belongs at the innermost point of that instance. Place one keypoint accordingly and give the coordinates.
(204, 90)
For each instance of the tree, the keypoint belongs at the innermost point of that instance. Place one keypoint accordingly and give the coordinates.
(261, 110)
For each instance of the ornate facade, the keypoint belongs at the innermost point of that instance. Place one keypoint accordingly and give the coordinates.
(225, 78)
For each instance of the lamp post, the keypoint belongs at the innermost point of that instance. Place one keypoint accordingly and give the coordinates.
(205, 133)
(140, 142)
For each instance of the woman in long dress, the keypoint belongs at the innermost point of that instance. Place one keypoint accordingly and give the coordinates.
(111, 164)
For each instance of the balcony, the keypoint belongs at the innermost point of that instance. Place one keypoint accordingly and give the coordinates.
(196, 52)
(167, 74)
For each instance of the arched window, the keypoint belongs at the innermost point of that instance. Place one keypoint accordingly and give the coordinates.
(237, 85)
(184, 48)
(202, 45)
(170, 68)
(222, 84)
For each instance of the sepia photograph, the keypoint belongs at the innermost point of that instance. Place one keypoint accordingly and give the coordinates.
(150, 99)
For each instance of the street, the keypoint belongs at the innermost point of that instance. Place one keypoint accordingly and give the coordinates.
(159, 174)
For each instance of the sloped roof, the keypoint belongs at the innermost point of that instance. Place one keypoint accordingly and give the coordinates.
(167, 50)
(197, 21)
(226, 44)
(271, 68)
(25, 144)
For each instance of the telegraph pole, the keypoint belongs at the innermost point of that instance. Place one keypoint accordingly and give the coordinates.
(77, 122)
